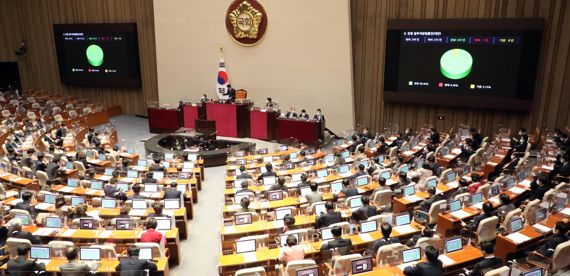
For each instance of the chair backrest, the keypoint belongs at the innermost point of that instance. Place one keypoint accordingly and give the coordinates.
(510, 216)
(342, 264)
(461, 196)
(562, 187)
(79, 166)
(58, 248)
(13, 243)
(313, 206)
(434, 241)
(444, 175)
(393, 153)
(42, 178)
(430, 155)
(501, 271)
(487, 230)
(434, 211)
(383, 199)
(156, 252)
(530, 211)
(390, 254)
(344, 225)
(472, 161)
(293, 266)
(560, 258)
(254, 271)
(549, 195)
(380, 218)
(484, 189)
(241, 94)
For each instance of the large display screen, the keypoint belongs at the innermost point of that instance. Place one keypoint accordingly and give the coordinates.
(473, 63)
(98, 54)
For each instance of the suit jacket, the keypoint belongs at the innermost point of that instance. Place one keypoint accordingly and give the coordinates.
(244, 176)
(487, 263)
(51, 170)
(171, 193)
(538, 192)
(348, 192)
(74, 268)
(26, 206)
(343, 245)
(304, 116)
(132, 266)
(434, 138)
(156, 167)
(319, 117)
(476, 220)
(551, 243)
(232, 94)
(327, 219)
(425, 269)
(381, 242)
(148, 180)
(364, 212)
(426, 204)
(313, 197)
(565, 170)
(291, 114)
(22, 266)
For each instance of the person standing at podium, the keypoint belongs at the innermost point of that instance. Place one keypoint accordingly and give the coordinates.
(319, 117)
(231, 94)
(204, 98)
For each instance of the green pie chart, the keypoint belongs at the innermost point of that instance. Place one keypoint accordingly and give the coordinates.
(94, 55)
(456, 64)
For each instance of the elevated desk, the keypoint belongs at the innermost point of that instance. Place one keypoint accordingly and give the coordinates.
(263, 124)
(306, 131)
(232, 120)
(161, 120)
(191, 112)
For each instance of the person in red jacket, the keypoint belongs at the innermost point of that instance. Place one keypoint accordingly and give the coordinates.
(151, 235)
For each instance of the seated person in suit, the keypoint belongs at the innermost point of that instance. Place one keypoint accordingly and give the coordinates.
(172, 192)
(280, 185)
(291, 113)
(148, 178)
(476, 137)
(539, 187)
(303, 115)
(74, 267)
(463, 188)
(347, 190)
(231, 93)
(269, 103)
(474, 223)
(341, 245)
(433, 266)
(427, 232)
(244, 203)
(291, 252)
(506, 206)
(288, 222)
(136, 192)
(386, 230)
(331, 217)
(151, 235)
(132, 266)
(244, 174)
(519, 143)
(318, 116)
(22, 265)
(559, 235)
(26, 204)
(366, 211)
(426, 204)
(475, 183)
(17, 232)
(361, 171)
(269, 172)
(304, 182)
(488, 263)
(314, 195)
(564, 168)
(433, 138)
(157, 207)
(244, 188)
(40, 165)
(156, 166)
(124, 212)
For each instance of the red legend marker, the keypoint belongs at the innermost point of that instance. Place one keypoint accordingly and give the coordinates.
(440, 84)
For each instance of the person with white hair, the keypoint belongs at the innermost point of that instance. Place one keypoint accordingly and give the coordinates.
(17, 232)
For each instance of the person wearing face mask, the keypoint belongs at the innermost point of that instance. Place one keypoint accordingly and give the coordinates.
(563, 169)
(204, 98)
(319, 117)
(519, 144)
(539, 187)
(408, 134)
(558, 236)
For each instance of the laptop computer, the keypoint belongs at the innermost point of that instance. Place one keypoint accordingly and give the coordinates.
(76, 200)
(336, 187)
(109, 172)
(516, 225)
(72, 182)
(158, 175)
(145, 253)
(49, 198)
(432, 183)
(410, 257)
(132, 174)
(361, 265)
(320, 209)
(404, 168)
(368, 226)
(453, 244)
(455, 205)
(451, 176)
(305, 190)
(241, 219)
(53, 222)
(355, 203)
(89, 254)
(275, 195)
(41, 253)
(283, 238)
(87, 223)
(281, 213)
(124, 187)
(403, 219)
(326, 234)
(245, 246)
(23, 218)
(362, 181)
(123, 224)
(139, 204)
(108, 203)
(409, 190)
(163, 224)
(172, 204)
(97, 185)
(150, 188)
(308, 271)
(322, 173)
(168, 156)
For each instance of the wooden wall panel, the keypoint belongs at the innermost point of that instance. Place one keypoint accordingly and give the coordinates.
(552, 97)
(32, 21)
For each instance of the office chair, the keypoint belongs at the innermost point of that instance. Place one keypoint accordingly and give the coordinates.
(390, 254)
(383, 199)
(254, 271)
(557, 262)
(434, 210)
(501, 271)
(487, 229)
(293, 266)
(342, 264)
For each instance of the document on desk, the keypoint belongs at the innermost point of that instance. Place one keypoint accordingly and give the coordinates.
(478, 205)
(66, 189)
(456, 151)
(550, 168)
(366, 237)
(229, 229)
(403, 266)
(408, 152)
(346, 174)
(565, 212)
(249, 257)
(138, 168)
(391, 182)
(404, 229)
(518, 238)
(452, 184)
(541, 228)
(517, 190)
(43, 206)
(91, 192)
(137, 212)
(449, 156)
(68, 232)
(446, 260)
(413, 198)
(43, 232)
(460, 214)
(104, 177)
(525, 183)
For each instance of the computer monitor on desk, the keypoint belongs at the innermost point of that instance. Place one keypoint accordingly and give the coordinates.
(145, 253)
(361, 265)
(163, 224)
(336, 187)
(409, 190)
(245, 246)
(244, 218)
(516, 225)
(326, 234)
(455, 205)
(451, 176)
(281, 213)
(411, 255)
(355, 203)
(368, 226)
(40, 252)
(476, 198)
(402, 219)
(534, 272)
(453, 244)
(89, 254)
(310, 271)
(275, 195)
(54, 222)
